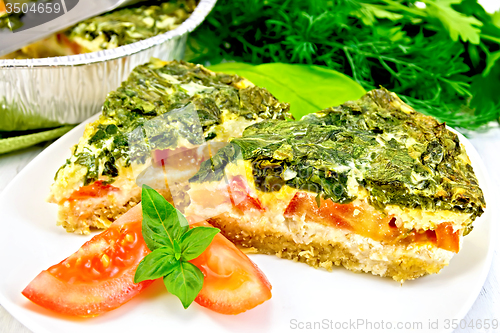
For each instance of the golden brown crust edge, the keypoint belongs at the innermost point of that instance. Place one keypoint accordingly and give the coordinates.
(82, 217)
(317, 254)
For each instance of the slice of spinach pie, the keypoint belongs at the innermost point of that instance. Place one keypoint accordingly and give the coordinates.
(371, 185)
(157, 122)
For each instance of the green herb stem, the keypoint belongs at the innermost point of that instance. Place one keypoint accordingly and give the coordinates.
(436, 58)
(173, 244)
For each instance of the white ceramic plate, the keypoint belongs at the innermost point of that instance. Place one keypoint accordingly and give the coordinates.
(30, 242)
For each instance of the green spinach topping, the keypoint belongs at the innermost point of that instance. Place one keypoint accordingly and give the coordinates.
(399, 156)
(129, 25)
(166, 103)
(167, 234)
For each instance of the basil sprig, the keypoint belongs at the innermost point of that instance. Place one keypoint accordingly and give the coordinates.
(167, 234)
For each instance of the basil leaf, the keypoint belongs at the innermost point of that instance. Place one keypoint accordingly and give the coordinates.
(155, 265)
(184, 282)
(196, 240)
(162, 223)
(177, 250)
(308, 88)
(167, 234)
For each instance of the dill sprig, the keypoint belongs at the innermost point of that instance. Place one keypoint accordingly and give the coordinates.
(440, 57)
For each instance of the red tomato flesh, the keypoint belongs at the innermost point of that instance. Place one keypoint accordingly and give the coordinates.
(368, 222)
(240, 197)
(99, 276)
(339, 215)
(94, 190)
(233, 283)
(446, 238)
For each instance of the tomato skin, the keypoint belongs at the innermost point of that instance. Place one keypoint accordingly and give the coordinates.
(80, 299)
(233, 283)
(86, 285)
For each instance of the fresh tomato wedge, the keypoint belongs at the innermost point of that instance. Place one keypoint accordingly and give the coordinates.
(233, 283)
(99, 276)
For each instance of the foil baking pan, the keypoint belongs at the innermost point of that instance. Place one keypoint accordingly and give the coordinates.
(48, 92)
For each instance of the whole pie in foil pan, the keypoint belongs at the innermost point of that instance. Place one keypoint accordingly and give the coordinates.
(42, 90)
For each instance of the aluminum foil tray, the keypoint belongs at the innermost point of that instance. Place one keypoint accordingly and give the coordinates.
(48, 92)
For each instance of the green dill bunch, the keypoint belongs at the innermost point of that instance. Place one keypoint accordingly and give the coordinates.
(433, 56)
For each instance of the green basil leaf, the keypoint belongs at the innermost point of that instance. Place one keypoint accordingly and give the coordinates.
(155, 265)
(162, 223)
(308, 88)
(184, 282)
(196, 240)
(177, 250)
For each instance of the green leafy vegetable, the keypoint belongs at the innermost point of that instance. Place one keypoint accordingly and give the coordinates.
(399, 156)
(185, 282)
(129, 25)
(436, 55)
(195, 241)
(164, 223)
(457, 24)
(173, 244)
(308, 88)
(157, 264)
(167, 102)
(10, 141)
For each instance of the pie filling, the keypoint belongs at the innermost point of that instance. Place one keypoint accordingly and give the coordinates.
(357, 217)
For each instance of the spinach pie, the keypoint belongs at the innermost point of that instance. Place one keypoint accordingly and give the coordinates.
(108, 31)
(157, 123)
(371, 185)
